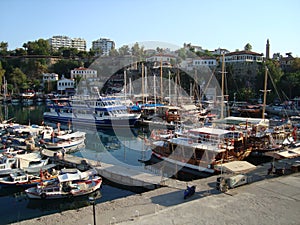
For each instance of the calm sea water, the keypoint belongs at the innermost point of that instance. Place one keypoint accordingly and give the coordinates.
(120, 146)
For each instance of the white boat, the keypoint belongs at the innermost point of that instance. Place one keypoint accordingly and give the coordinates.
(67, 185)
(69, 141)
(31, 162)
(86, 111)
(7, 163)
(22, 179)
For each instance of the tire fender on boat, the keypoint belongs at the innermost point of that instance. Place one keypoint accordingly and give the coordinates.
(43, 195)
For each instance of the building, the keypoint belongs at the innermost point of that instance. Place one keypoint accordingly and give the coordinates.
(205, 61)
(286, 62)
(83, 73)
(65, 86)
(243, 56)
(49, 77)
(220, 51)
(161, 58)
(79, 44)
(104, 44)
(59, 41)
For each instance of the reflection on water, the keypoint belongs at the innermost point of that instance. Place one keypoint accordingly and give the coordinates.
(16, 206)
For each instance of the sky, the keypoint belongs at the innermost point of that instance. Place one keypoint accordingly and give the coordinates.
(229, 24)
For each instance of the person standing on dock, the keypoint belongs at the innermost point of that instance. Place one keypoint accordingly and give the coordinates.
(63, 151)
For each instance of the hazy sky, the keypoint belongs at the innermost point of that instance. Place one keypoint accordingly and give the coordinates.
(229, 24)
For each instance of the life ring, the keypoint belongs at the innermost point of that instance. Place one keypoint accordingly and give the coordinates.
(43, 195)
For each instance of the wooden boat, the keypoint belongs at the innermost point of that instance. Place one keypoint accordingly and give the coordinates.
(67, 185)
(197, 151)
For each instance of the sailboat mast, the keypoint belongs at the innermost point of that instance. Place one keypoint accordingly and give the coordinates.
(222, 94)
(143, 82)
(169, 87)
(265, 93)
(161, 80)
(125, 84)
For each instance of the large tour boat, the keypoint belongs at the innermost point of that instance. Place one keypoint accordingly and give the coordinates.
(197, 151)
(86, 111)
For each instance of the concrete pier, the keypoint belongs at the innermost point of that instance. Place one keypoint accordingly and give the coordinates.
(119, 174)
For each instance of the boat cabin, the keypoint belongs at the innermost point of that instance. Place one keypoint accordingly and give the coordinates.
(169, 113)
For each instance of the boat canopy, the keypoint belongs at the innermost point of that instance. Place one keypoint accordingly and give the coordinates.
(211, 131)
(232, 120)
(236, 167)
(25, 159)
(69, 177)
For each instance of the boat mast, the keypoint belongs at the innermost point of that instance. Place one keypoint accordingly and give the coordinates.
(265, 93)
(169, 87)
(222, 94)
(143, 83)
(161, 81)
(125, 84)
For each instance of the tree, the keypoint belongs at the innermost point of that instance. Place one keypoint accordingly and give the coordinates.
(39, 47)
(248, 47)
(18, 78)
(2, 72)
(113, 52)
(3, 48)
(124, 50)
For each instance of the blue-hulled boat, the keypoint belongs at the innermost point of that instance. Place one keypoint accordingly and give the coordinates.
(86, 111)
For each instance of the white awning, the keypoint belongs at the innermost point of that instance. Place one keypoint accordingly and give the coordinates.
(236, 167)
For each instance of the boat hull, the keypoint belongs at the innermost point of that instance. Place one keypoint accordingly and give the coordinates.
(181, 167)
(92, 121)
(35, 193)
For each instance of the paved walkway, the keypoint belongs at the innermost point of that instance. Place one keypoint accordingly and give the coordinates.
(270, 201)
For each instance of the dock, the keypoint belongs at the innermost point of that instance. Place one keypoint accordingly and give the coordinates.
(145, 178)
(125, 175)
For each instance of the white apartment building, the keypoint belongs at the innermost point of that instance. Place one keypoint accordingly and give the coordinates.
(104, 44)
(79, 44)
(243, 56)
(59, 41)
(84, 73)
(49, 77)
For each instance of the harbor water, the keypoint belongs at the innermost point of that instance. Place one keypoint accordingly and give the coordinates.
(123, 147)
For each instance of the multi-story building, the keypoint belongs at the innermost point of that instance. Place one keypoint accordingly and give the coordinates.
(205, 61)
(84, 73)
(59, 41)
(243, 56)
(104, 44)
(79, 44)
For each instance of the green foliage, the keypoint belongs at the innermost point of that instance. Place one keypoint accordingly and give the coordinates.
(248, 47)
(39, 47)
(18, 79)
(2, 72)
(64, 67)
